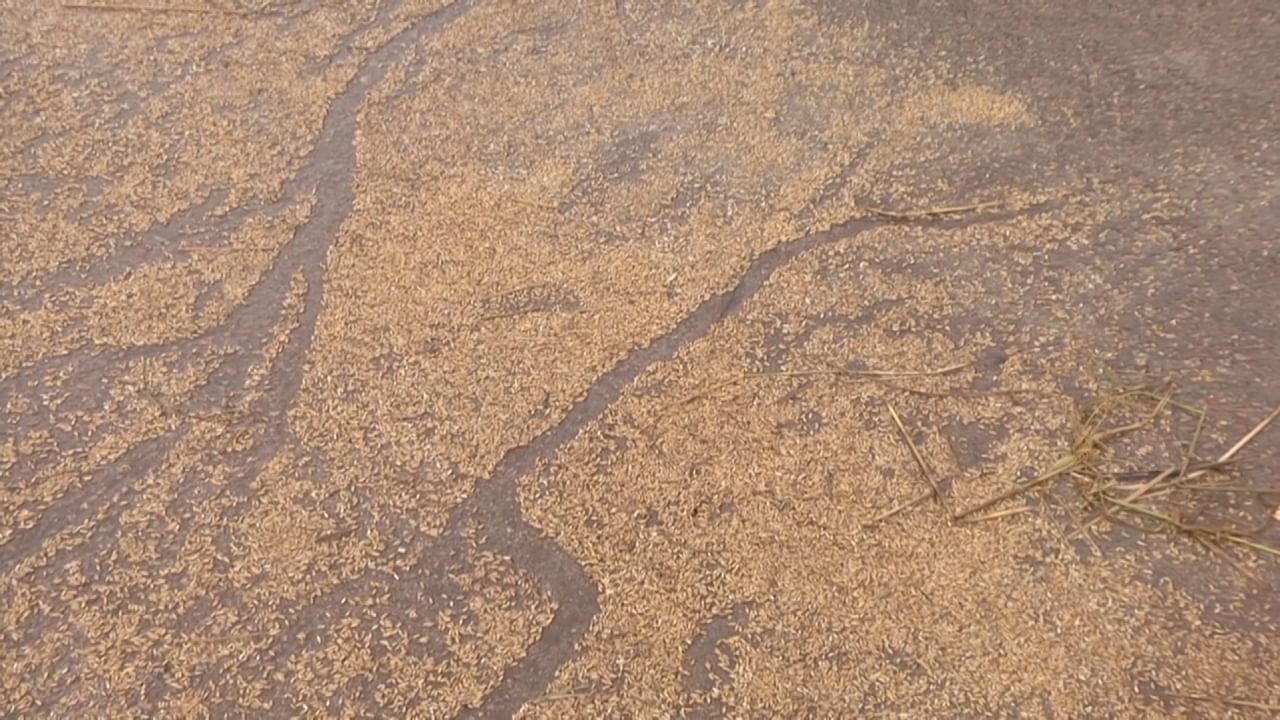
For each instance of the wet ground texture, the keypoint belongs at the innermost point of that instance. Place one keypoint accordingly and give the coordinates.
(475, 359)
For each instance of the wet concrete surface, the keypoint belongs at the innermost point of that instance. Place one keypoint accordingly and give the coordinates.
(473, 359)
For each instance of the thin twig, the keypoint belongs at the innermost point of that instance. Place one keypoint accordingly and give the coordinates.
(1084, 525)
(1232, 488)
(1191, 449)
(1081, 527)
(1141, 510)
(1229, 535)
(930, 212)
(860, 373)
(138, 7)
(1227, 456)
(1144, 475)
(1117, 520)
(1249, 436)
(958, 393)
(998, 514)
(1211, 530)
(707, 393)
(1247, 542)
(1233, 702)
(915, 454)
(566, 695)
(901, 507)
(1097, 438)
(1192, 410)
(1064, 464)
(1216, 549)
(1144, 487)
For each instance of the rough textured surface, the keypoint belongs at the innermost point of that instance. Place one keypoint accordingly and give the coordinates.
(387, 358)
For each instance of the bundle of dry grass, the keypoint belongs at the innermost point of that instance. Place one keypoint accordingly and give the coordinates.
(1186, 495)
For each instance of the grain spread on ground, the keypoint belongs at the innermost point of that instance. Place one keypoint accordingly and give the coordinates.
(409, 358)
